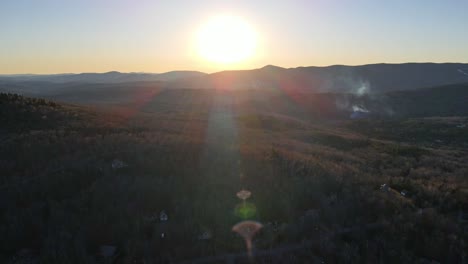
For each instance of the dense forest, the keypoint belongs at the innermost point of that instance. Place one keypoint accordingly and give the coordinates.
(83, 184)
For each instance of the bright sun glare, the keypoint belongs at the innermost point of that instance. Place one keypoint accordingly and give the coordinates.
(226, 40)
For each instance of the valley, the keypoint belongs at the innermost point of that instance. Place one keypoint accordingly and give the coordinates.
(99, 166)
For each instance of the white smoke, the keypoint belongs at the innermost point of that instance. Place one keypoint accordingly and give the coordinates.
(363, 88)
(358, 98)
(357, 108)
(356, 89)
(462, 71)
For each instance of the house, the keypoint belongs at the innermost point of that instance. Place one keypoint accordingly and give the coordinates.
(163, 216)
(118, 164)
(384, 187)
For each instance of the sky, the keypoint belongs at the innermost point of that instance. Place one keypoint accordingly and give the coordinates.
(57, 36)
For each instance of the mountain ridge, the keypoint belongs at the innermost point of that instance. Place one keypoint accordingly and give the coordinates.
(381, 77)
(362, 79)
(104, 77)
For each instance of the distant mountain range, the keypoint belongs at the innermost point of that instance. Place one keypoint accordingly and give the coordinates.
(338, 78)
(108, 77)
(378, 90)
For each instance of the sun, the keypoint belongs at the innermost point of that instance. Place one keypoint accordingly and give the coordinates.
(226, 40)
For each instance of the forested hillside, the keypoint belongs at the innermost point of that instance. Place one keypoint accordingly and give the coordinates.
(158, 183)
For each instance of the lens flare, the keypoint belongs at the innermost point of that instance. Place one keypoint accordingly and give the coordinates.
(243, 194)
(247, 230)
(245, 210)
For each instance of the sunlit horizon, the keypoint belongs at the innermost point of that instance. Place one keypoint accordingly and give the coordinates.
(227, 68)
(54, 37)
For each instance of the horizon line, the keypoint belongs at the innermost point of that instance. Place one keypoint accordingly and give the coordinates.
(267, 65)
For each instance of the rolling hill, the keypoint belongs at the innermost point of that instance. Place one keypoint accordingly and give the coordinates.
(108, 77)
(378, 90)
(370, 187)
(374, 78)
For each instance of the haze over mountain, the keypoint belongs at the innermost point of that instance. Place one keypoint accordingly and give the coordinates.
(379, 90)
(107, 77)
(337, 78)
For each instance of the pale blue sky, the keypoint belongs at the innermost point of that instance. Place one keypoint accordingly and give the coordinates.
(55, 36)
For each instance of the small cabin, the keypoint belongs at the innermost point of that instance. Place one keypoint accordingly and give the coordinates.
(118, 164)
(163, 216)
(384, 187)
